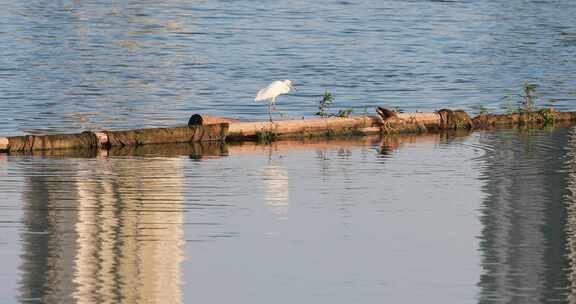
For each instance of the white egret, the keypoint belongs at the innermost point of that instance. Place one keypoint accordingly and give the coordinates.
(272, 91)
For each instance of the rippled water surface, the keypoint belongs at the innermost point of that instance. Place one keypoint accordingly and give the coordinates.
(486, 217)
(459, 218)
(69, 65)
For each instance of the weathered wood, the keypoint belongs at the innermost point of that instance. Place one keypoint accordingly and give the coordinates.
(167, 135)
(209, 128)
(87, 139)
(303, 128)
(547, 116)
(4, 143)
(50, 142)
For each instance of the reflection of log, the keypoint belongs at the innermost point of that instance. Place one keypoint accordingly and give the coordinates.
(208, 149)
(303, 144)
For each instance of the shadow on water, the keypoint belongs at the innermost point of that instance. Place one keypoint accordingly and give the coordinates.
(529, 181)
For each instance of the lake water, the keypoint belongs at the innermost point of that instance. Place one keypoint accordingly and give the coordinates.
(486, 217)
(452, 218)
(69, 65)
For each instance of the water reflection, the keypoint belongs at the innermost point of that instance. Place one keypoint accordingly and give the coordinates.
(523, 217)
(104, 230)
(275, 179)
(343, 216)
(570, 198)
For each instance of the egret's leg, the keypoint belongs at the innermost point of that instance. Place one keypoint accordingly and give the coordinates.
(270, 107)
(270, 111)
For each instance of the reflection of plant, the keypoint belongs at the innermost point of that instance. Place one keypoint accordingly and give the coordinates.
(325, 102)
(266, 136)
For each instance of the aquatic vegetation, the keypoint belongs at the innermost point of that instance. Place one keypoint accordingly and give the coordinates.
(324, 105)
(267, 136)
(522, 103)
(548, 116)
(325, 102)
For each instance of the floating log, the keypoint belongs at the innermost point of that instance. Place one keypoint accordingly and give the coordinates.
(52, 142)
(303, 128)
(209, 128)
(357, 125)
(114, 138)
(542, 117)
(167, 135)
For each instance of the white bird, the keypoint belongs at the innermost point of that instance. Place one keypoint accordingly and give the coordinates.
(272, 91)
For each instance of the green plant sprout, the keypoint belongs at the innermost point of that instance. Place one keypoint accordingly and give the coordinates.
(325, 102)
(324, 105)
(525, 102)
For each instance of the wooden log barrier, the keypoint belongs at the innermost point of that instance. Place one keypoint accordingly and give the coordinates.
(542, 117)
(51, 142)
(302, 128)
(114, 138)
(209, 128)
(167, 135)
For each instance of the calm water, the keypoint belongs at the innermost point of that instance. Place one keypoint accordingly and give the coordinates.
(69, 65)
(455, 218)
(469, 218)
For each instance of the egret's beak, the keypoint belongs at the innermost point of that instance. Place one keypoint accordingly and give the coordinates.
(293, 88)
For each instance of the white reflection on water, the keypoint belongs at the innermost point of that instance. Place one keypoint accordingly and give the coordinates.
(276, 189)
(115, 232)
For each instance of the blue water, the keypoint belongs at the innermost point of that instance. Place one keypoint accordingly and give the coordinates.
(484, 217)
(70, 65)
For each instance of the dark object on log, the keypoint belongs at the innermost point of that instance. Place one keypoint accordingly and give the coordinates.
(457, 119)
(202, 120)
(385, 114)
(392, 122)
